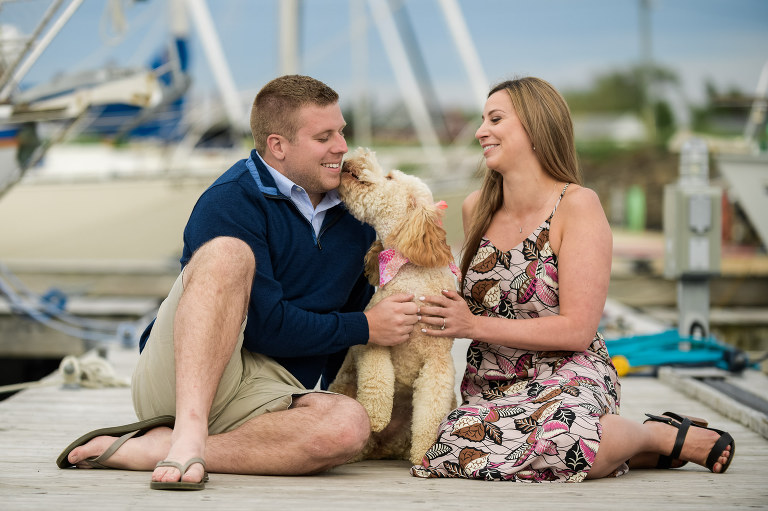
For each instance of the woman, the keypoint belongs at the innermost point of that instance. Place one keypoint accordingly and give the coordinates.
(541, 396)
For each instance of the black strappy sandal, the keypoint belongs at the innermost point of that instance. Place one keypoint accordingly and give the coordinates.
(683, 424)
(665, 461)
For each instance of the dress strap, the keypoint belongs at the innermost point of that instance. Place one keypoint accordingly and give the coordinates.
(549, 220)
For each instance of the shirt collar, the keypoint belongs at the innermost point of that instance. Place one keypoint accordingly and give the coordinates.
(288, 187)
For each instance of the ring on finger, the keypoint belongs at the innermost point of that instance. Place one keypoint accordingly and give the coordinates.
(443, 327)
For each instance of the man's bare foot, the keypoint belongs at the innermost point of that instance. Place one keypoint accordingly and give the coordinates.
(138, 453)
(698, 443)
(183, 447)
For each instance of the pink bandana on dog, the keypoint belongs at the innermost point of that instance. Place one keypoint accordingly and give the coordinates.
(390, 262)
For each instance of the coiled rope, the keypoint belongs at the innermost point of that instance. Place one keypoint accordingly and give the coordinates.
(89, 372)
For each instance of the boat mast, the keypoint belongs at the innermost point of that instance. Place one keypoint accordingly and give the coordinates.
(9, 82)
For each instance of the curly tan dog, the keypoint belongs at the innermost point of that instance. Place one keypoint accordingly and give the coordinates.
(413, 381)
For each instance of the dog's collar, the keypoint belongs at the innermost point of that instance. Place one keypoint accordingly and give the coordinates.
(390, 262)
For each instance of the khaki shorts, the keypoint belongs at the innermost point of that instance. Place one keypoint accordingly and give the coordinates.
(252, 384)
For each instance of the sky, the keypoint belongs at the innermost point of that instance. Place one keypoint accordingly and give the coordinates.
(567, 42)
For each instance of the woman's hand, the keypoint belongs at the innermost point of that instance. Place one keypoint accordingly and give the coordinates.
(447, 315)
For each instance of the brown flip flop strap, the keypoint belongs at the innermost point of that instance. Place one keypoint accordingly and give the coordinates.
(183, 468)
(98, 461)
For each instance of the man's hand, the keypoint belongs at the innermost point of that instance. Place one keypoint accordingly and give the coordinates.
(391, 321)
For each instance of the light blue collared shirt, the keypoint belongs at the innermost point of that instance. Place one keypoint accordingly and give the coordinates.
(300, 198)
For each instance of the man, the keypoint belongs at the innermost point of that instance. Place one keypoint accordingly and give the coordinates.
(267, 303)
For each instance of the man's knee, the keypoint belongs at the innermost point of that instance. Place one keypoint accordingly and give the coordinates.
(343, 425)
(355, 426)
(225, 258)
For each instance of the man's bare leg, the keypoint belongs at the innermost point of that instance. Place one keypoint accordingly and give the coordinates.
(206, 328)
(318, 432)
(217, 284)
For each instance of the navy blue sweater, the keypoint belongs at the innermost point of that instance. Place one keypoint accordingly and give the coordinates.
(309, 291)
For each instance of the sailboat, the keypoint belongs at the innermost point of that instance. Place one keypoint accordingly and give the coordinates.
(111, 102)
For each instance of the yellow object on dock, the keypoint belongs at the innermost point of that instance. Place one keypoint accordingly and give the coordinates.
(621, 364)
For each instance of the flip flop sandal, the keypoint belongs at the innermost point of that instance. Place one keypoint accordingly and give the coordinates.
(666, 461)
(123, 433)
(180, 485)
(683, 426)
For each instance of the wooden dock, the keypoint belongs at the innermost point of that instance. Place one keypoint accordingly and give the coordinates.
(36, 424)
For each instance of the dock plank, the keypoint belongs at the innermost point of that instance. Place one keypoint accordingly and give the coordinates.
(35, 425)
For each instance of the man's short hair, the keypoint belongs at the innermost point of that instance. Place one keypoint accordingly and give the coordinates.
(275, 109)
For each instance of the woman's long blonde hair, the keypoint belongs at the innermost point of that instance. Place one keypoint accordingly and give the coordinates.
(546, 119)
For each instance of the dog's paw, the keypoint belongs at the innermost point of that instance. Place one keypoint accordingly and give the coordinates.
(379, 422)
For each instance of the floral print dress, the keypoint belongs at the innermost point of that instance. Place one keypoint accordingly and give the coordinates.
(526, 415)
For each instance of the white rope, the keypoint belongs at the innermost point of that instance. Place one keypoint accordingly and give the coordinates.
(91, 372)
(95, 372)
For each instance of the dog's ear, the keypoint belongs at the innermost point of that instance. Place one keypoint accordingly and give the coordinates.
(422, 238)
(372, 262)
